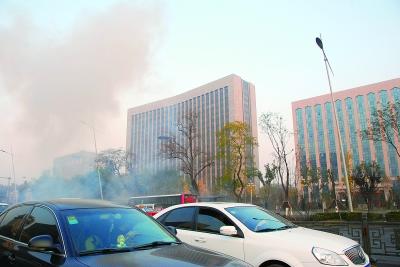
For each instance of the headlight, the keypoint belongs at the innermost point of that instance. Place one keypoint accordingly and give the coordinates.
(328, 257)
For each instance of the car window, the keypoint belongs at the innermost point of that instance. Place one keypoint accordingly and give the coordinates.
(181, 218)
(40, 222)
(12, 221)
(211, 220)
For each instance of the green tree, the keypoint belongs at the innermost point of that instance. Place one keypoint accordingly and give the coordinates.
(234, 146)
(384, 125)
(367, 176)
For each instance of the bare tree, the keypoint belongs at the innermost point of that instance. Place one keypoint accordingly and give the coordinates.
(274, 127)
(384, 125)
(192, 160)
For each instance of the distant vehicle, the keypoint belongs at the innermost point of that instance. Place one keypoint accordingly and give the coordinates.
(160, 202)
(147, 208)
(75, 232)
(259, 237)
(3, 207)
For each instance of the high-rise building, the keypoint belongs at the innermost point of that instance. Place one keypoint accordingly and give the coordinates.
(216, 103)
(316, 138)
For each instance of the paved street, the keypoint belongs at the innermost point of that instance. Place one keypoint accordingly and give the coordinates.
(388, 265)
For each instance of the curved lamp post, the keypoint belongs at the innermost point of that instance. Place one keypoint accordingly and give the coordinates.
(95, 149)
(320, 45)
(13, 169)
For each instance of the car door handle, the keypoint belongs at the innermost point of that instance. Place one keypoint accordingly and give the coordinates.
(200, 240)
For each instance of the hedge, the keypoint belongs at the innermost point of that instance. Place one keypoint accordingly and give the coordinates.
(353, 216)
(393, 216)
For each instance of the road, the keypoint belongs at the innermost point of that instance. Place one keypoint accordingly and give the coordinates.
(388, 264)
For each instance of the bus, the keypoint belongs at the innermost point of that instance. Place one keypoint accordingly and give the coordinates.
(159, 202)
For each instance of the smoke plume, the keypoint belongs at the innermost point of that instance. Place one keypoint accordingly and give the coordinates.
(53, 82)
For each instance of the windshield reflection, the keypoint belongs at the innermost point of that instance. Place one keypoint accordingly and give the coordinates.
(257, 219)
(111, 230)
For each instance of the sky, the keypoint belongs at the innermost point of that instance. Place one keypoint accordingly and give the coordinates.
(67, 62)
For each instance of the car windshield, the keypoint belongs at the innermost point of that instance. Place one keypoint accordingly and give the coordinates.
(3, 207)
(108, 230)
(259, 220)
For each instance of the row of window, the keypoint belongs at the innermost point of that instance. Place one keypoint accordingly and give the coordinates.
(349, 130)
(151, 128)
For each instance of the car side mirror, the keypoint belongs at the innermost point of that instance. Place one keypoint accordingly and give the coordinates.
(228, 230)
(42, 243)
(172, 230)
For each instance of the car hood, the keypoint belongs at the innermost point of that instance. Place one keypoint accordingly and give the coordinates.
(173, 255)
(306, 239)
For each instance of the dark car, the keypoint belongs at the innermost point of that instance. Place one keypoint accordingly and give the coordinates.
(74, 232)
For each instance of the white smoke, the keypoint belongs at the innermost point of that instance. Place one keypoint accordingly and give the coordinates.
(50, 84)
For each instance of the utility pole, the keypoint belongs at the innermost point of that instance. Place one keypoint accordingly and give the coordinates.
(13, 171)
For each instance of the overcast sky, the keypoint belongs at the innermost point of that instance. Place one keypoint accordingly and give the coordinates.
(62, 62)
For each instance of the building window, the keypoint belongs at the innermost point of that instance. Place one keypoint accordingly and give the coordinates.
(331, 140)
(352, 131)
(320, 137)
(310, 137)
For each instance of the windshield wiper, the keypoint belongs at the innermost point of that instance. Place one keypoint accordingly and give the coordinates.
(284, 227)
(274, 229)
(105, 251)
(265, 219)
(156, 244)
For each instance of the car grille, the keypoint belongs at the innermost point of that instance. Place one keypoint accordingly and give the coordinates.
(356, 255)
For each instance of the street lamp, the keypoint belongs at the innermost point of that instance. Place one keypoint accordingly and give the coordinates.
(13, 169)
(320, 45)
(95, 148)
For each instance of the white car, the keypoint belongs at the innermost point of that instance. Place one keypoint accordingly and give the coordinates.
(259, 237)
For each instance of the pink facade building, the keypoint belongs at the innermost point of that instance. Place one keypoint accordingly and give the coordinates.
(216, 103)
(316, 138)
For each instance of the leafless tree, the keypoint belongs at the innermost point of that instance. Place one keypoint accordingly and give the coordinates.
(384, 125)
(274, 127)
(192, 160)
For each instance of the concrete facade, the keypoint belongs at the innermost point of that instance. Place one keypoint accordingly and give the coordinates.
(216, 103)
(316, 137)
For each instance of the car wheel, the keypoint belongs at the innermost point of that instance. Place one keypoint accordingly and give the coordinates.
(274, 265)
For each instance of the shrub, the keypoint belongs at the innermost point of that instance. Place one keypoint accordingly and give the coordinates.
(393, 216)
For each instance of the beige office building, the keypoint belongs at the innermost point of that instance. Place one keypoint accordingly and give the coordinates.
(225, 100)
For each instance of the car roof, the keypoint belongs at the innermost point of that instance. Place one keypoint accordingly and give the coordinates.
(76, 203)
(222, 205)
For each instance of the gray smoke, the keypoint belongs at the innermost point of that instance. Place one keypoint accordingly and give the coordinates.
(55, 82)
